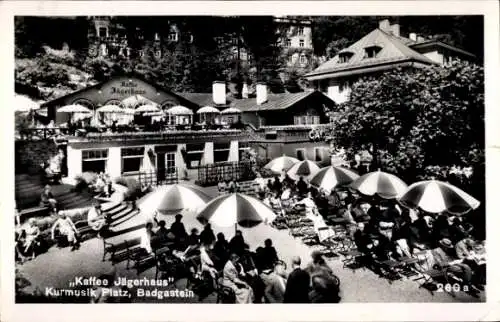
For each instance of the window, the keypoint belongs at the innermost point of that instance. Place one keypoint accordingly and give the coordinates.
(318, 156)
(288, 42)
(172, 36)
(243, 147)
(301, 43)
(301, 154)
(141, 53)
(303, 59)
(170, 163)
(221, 152)
(103, 32)
(300, 31)
(306, 119)
(372, 51)
(344, 86)
(132, 159)
(94, 160)
(345, 57)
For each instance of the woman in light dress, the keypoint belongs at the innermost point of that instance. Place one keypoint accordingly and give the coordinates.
(67, 228)
(32, 233)
(231, 279)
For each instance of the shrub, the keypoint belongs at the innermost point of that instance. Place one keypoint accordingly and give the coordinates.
(134, 190)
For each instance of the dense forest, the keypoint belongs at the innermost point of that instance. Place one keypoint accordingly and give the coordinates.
(191, 64)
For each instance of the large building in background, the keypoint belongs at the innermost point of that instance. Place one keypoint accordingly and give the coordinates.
(380, 50)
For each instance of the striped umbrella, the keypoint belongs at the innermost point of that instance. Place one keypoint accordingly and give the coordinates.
(304, 168)
(172, 199)
(382, 184)
(236, 209)
(281, 163)
(436, 196)
(330, 177)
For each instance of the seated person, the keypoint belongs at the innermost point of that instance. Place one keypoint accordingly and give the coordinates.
(232, 278)
(251, 274)
(237, 243)
(324, 290)
(177, 228)
(207, 264)
(318, 265)
(440, 230)
(233, 186)
(260, 185)
(66, 228)
(31, 235)
(274, 285)
(275, 203)
(472, 254)
(99, 184)
(207, 235)
(442, 257)
(162, 234)
(47, 198)
(457, 230)
(96, 218)
(222, 187)
(357, 211)
(269, 254)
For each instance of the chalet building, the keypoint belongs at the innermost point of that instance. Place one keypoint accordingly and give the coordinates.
(380, 50)
(275, 124)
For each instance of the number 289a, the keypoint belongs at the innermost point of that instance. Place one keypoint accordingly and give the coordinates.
(452, 287)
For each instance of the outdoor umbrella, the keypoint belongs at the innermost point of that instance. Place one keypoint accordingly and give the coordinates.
(281, 163)
(382, 184)
(436, 196)
(74, 108)
(147, 108)
(208, 110)
(172, 199)
(136, 100)
(24, 104)
(179, 110)
(231, 110)
(110, 109)
(304, 168)
(236, 209)
(330, 177)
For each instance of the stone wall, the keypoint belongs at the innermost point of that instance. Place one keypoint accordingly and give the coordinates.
(30, 154)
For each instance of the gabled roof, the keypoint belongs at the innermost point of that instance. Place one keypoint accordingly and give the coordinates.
(203, 99)
(274, 102)
(393, 49)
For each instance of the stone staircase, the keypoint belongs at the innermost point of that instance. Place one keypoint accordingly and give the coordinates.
(28, 189)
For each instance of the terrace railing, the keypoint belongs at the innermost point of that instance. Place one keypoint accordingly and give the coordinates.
(212, 174)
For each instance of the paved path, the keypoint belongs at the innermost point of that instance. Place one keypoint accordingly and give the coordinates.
(58, 266)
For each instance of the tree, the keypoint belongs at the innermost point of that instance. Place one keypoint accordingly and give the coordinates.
(413, 120)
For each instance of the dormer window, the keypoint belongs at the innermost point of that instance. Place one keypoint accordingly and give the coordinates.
(172, 36)
(345, 56)
(372, 51)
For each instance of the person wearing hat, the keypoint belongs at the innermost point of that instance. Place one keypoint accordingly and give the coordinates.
(66, 228)
(47, 198)
(443, 258)
(232, 278)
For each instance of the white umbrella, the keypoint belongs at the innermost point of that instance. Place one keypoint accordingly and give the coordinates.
(236, 209)
(74, 108)
(159, 113)
(231, 110)
(304, 169)
(24, 104)
(129, 111)
(179, 110)
(136, 100)
(172, 199)
(208, 110)
(436, 196)
(110, 109)
(147, 108)
(281, 163)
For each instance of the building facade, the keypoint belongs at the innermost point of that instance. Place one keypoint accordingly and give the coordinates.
(380, 50)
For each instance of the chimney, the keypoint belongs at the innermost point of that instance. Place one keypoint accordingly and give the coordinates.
(219, 93)
(420, 38)
(384, 25)
(413, 36)
(261, 89)
(244, 90)
(395, 28)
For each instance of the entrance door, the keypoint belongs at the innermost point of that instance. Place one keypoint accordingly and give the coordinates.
(160, 168)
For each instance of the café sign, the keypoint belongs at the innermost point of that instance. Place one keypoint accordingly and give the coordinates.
(127, 88)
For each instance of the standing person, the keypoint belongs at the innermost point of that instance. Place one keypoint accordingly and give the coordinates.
(302, 186)
(31, 237)
(221, 251)
(66, 228)
(297, 285)
(178, 230)
(231, 278)
(237, 243)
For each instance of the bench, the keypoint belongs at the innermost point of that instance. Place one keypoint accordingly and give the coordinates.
(83, 228)
(122, 251)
